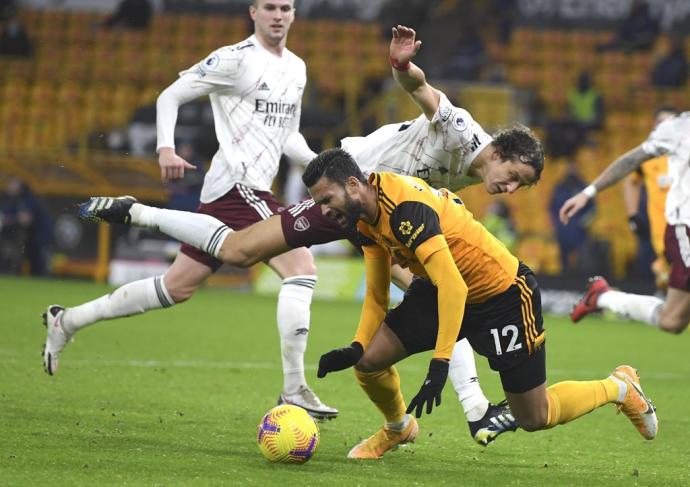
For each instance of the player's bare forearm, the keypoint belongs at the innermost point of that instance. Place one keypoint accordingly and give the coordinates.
(620, 168)
(423, 94)
(616, 171)
(410, 79)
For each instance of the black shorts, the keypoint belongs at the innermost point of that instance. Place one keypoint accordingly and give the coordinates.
(507, 329)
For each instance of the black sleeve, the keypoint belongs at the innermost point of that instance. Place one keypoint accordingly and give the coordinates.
(413, 223)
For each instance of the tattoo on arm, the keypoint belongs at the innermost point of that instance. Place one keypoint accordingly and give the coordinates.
(621, 167)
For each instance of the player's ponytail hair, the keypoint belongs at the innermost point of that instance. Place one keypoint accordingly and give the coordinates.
(335, 164)
(519, 144)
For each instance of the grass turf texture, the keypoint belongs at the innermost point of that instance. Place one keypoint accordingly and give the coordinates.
(173, 398)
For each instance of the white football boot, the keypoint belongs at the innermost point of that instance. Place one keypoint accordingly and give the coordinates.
(56, 338)
(307, 399)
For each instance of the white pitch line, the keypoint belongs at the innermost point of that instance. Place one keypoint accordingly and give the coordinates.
(560, 374)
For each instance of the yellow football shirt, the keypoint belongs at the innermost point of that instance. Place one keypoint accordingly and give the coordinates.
(657, 183)
(414, 222)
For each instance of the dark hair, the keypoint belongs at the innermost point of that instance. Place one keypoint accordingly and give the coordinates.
(518, 143)
(335, 164)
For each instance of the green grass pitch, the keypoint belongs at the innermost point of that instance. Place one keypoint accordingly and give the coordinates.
(173, 398)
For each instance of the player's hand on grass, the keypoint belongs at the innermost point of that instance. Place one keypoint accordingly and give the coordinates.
(172, 165)
(431, 389)
(339, 359)
(571, 207)
(403, 44)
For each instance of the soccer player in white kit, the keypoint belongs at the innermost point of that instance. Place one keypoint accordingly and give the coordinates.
(672, 138)
(255, 88)
(444, 146)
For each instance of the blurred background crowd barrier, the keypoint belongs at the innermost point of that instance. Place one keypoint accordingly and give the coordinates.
(79, 81)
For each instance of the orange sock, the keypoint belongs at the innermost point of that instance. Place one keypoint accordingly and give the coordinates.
(571, 399)
(383, 388)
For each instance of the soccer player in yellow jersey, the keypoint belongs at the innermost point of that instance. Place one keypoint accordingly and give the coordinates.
(657, 181)
(467, 286)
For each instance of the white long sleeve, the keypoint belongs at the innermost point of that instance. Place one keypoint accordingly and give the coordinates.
(297, 150)
(185, 89)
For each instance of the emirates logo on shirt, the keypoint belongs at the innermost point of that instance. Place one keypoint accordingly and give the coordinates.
(277, 114)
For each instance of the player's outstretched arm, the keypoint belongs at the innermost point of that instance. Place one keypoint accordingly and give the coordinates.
(409, 76)
(616, 171)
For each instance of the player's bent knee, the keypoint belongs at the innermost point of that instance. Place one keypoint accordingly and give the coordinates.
(238, 257)
(533, 421)
(531, 426)
(368, 366)
(307, 268)
(182, 293)
(676, 327)
(301, 263)
(240, 250)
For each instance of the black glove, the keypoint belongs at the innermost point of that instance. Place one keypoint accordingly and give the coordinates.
(431, 389)
(638, 225)
(339, 359)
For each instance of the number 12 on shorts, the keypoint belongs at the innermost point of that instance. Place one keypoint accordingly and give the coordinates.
(511, 330)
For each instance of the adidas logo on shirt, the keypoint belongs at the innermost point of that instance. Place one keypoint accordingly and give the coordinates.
(264, 87)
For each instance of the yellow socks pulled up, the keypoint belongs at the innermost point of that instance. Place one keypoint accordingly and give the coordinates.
(569, 400)
(383, 388)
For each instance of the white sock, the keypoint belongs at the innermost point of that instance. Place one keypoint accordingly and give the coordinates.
(293, 314)
(633, 306)
(204, 232)
(399, 426)
(622, 388)
(131, 299)
(463, 375)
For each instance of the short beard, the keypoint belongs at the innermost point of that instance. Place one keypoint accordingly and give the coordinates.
(353, 212)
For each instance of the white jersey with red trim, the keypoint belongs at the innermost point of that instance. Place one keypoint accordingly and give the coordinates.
(256, 103)
(439, 151)
(672, 137)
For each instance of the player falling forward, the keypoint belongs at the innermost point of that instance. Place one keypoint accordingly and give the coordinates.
(670, 137)
(255, 88)
(444, 145)
(468, 286)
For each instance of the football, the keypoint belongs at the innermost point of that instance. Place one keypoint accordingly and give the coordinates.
(287, 434)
